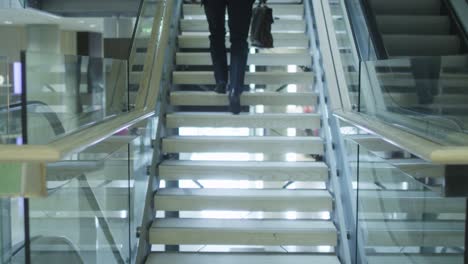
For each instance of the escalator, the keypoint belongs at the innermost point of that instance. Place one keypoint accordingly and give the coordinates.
(421, 67)
(418, 28)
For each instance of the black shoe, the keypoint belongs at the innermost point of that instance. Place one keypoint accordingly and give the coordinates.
(234, 102)
(220, 88)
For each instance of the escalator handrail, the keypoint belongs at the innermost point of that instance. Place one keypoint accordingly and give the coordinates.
(461, 30)
(51, 116)
(135, 28)
(375, 35)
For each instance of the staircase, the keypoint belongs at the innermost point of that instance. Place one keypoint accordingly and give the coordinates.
(248, 188)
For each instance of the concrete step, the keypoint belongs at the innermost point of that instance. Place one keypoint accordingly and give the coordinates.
(261, 59)
(279, 26)
(283, 40)
(247, 98)
(266, 200)
(291, 11)
(236, 258)
(200, 77)
(210, 119)
(242, 232)
(250, 170)
(264, 144)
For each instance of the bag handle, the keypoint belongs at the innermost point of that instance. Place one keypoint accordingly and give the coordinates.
(262, 2)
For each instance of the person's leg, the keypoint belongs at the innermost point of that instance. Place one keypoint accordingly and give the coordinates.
(240, 13)
(215, 11)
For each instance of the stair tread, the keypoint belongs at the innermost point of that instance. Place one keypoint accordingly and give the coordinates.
(253, 170)
(247, 98)
(244, 193)
(267, 200)
(263, 225)
(263, 59)
(211, 119)
(281, 40)
(207, 77)
(242, 232)
(236, 258)
(279, 10)
(282, 25)
(264, 144)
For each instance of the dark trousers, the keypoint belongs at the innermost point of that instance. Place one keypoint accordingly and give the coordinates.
(240, 13)
(426, 74)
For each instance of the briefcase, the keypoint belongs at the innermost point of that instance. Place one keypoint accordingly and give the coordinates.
(260, 31)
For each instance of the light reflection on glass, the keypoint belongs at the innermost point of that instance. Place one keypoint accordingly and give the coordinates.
(292, 215)
(292, 157)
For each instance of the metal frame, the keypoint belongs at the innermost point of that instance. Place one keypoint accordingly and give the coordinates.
(144, 247)
(344, 248)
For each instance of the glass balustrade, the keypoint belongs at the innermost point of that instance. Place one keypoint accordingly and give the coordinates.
(424, 95)
(401, 216)
(65, 93)
(96, 198)
(95, 204)
(10, 101)
(141, 45)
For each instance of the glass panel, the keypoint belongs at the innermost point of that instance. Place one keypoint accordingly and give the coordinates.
(348, 55)
(66, 93)
(11, 229)
(140, 44)
(10, 101)
(141, 155)
(425, 95)
(86, 215)
(401, 216)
